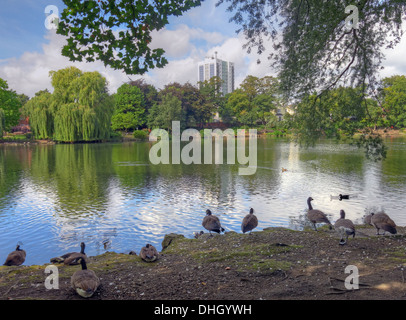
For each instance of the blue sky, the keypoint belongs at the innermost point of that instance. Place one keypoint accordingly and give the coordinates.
(28, 51)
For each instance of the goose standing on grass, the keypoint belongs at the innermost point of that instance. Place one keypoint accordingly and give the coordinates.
(249, 222)
(382, 221)
(71, 258)
(84, 282)
(149, 253)
(316, 216)
(344, 227)
(16, 258)
(367, 219)
(212, 223)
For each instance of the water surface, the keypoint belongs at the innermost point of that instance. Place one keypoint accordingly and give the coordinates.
(110, 196)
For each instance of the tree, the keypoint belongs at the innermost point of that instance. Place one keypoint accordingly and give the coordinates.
(254, 102)
(10, 105)
(129, 108)
(393, 93)
(40, 115)
(318, 44)
(337, 114)
(117, 32)
(150, 93)
(196, 108)
(162, 114)
(79, 109)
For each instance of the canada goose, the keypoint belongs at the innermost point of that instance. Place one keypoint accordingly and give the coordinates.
(212, 223)
(367, 219)
(84, 282)
(344, 227)
(382, 221)
(249, 222)
(149, 253)
(71, 258)
(16, 257)
(316, 216)
(197, 234)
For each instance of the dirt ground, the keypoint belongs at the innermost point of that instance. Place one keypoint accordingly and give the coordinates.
(276, 264)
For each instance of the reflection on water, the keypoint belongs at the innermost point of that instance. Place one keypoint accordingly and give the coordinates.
(112, 198)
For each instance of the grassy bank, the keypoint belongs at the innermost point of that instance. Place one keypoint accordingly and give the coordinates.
(275, 263)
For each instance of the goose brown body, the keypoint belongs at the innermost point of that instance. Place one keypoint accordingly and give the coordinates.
(249, 222)
(344, 227)
(15, 258)
(316, 216)
(149, 253)
(85, 282)
(383, 221)
(72, 258)
(212, 223)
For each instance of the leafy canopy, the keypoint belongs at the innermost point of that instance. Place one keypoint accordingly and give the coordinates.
(10, 105)
(117, 32)
(316, 47)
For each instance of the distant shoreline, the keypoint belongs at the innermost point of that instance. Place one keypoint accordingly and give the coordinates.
(387, 132)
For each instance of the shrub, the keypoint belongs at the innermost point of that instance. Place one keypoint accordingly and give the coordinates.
(140, 135)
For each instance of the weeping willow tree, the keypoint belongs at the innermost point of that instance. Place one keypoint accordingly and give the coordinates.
(79, 109)
(41, 119)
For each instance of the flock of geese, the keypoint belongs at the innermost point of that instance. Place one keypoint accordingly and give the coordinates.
(85, 282)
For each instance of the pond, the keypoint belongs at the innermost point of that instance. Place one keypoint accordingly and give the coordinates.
(110, 196)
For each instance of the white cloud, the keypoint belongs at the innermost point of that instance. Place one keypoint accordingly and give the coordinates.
(184, 47)
(29, 73)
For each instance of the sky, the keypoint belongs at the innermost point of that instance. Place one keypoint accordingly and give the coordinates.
(28, 50)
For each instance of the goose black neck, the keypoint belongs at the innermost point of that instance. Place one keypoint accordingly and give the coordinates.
(309, 204)
(83, 263)
(82, 248)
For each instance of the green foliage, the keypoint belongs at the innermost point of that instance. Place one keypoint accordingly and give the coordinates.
(2, 122)
(150, 93)
(253, 103)
(41, 118)
(162, 114)
(79, 109)
(117, 32)
(197, 107)
(140, 134)
(336, 114)
(10, 105)
(393, 93)
(129, 108)
(313, 47)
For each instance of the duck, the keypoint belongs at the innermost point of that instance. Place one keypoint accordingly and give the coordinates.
(382, 221)
(344, 227)
(16, 258)
(249, 222)
(71, 258)
(85, 282)
(317, 216)
(343, 196)
(149, 253)
(212, 223)
(284, 170)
